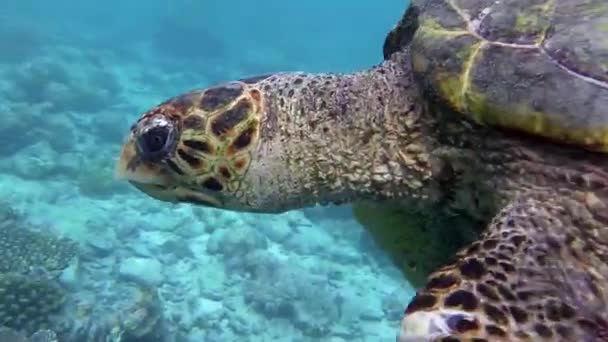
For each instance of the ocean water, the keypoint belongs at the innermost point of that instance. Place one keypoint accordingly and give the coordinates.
(74, 75)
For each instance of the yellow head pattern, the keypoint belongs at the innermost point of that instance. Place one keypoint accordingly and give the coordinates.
(196, 147)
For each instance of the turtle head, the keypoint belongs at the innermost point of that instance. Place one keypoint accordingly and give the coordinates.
(199, 147)
(283, 141)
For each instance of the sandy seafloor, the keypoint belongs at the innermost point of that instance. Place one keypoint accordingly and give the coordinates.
(66, 103)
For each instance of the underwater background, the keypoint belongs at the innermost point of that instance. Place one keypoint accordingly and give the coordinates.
(96, 260)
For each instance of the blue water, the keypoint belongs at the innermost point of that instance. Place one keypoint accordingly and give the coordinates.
(75, 74)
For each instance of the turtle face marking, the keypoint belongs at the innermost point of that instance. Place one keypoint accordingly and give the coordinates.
(219, 96)
(196, 147)
(224, 122)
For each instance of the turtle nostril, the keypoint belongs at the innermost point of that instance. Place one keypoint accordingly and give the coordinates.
(155, 142)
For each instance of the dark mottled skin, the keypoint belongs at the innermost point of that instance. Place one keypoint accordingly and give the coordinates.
(304, 110)
(540, 269)
(485, 119)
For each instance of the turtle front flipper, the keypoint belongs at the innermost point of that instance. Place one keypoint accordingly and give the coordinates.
(538, 273)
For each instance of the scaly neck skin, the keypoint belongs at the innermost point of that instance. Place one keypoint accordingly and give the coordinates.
(365, 136)
(338, 138)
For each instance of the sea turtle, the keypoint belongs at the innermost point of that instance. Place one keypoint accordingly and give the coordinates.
(495, 110)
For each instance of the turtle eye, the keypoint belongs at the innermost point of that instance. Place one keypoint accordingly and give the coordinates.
(455, 322)
(155, 143)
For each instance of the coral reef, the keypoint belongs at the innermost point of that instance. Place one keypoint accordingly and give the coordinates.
(22, 249)
(35, 87)
(11, 335)
(132, 314)
(143, 319)
(276, 290)
(57, 84)
(27, 303)
(29, 296)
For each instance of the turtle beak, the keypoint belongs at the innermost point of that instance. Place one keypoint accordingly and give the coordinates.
(150, 141)
(131, 167)
(153, 180)
(148, 177)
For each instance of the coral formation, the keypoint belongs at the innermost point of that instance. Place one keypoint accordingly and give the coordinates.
(29, 297)
(142, 321)
(276, 292)
(21, 249)
(59, 86)
(131, 314)
(11, 335)
(27, 303)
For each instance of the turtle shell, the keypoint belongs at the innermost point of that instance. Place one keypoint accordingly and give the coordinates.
(534, 66)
